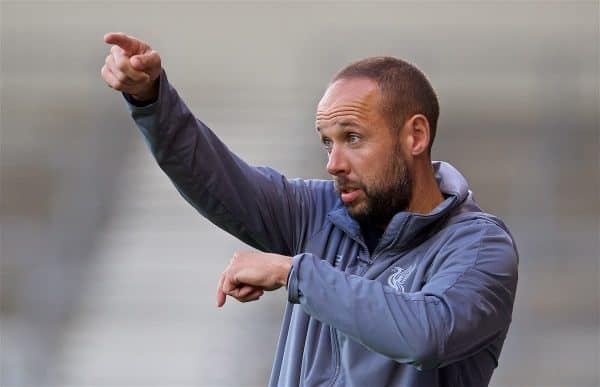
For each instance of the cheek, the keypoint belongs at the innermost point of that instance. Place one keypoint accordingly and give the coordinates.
(388, 172)
(376, 167)
(377, 173)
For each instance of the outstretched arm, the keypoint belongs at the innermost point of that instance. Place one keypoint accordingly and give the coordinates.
(257, 205)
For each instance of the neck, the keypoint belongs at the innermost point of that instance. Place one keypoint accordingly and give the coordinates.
(426, 193)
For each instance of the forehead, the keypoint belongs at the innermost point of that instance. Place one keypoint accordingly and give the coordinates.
(361, 93)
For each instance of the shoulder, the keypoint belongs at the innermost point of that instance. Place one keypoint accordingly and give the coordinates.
(316, 192)
(314, 200)
(475, 252)
(478, 240)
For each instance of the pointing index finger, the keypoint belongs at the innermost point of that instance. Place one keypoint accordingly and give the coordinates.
(129, 44)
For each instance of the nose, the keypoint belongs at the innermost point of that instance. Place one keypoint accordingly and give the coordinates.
(337, 163)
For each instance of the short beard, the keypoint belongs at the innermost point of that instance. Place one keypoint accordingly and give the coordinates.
(385, 202)
(392, 195)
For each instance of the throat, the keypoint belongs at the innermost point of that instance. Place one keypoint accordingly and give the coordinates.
(371, 234)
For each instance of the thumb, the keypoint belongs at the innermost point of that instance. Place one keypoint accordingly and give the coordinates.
(146, 62)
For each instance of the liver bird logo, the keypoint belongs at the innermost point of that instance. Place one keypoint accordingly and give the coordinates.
(398, 278)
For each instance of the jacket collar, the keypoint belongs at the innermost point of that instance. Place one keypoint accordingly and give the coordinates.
(408, 228)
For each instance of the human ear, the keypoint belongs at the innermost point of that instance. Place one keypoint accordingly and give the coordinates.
(418, 126)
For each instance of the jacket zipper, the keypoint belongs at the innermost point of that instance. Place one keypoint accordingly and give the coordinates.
(333, 332)
(336, 354)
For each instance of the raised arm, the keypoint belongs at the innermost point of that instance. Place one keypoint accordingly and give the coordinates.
(257, 205)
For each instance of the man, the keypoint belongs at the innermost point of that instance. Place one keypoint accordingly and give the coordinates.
(395, 277)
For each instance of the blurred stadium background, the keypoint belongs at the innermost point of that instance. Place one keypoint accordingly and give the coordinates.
(108, 276)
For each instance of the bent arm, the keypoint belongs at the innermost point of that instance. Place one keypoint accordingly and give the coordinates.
(257, 205)
(460, 311)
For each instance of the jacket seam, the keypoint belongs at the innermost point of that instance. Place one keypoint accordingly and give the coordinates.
(483, 232)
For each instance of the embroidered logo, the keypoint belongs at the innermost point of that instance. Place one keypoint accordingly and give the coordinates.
(398, 278)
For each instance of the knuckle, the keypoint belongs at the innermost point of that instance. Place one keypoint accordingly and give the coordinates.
(117, 85)
(122, 78)
(105, 76)
(122, 65)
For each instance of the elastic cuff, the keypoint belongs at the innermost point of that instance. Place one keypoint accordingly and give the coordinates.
(292, 284)
(134, 102)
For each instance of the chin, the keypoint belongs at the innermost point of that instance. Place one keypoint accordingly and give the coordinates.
(358, 212)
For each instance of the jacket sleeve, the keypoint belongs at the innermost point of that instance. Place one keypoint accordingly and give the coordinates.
(256, 204)
(463, 307)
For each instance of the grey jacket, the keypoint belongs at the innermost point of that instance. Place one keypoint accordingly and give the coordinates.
(430, 307)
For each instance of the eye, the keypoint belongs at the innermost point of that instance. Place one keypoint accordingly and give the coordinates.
(327, 144)
(353, 138)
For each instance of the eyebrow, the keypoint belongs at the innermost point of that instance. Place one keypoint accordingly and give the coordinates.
(344, 124)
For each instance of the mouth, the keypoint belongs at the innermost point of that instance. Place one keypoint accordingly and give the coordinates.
(349, 194)
(349, 190)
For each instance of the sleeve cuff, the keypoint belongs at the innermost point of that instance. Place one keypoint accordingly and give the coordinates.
(135, 102)
(294, 292)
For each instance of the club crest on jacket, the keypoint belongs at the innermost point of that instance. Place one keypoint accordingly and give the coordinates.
(398, 278)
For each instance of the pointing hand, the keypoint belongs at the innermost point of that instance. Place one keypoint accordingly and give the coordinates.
(132, 67)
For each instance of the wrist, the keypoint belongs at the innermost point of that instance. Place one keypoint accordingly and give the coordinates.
(148, 95)
(286, 267)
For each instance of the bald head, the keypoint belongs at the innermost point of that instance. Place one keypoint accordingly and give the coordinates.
(405, 91)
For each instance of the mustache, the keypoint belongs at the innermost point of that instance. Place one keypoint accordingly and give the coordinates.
(342, 183)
